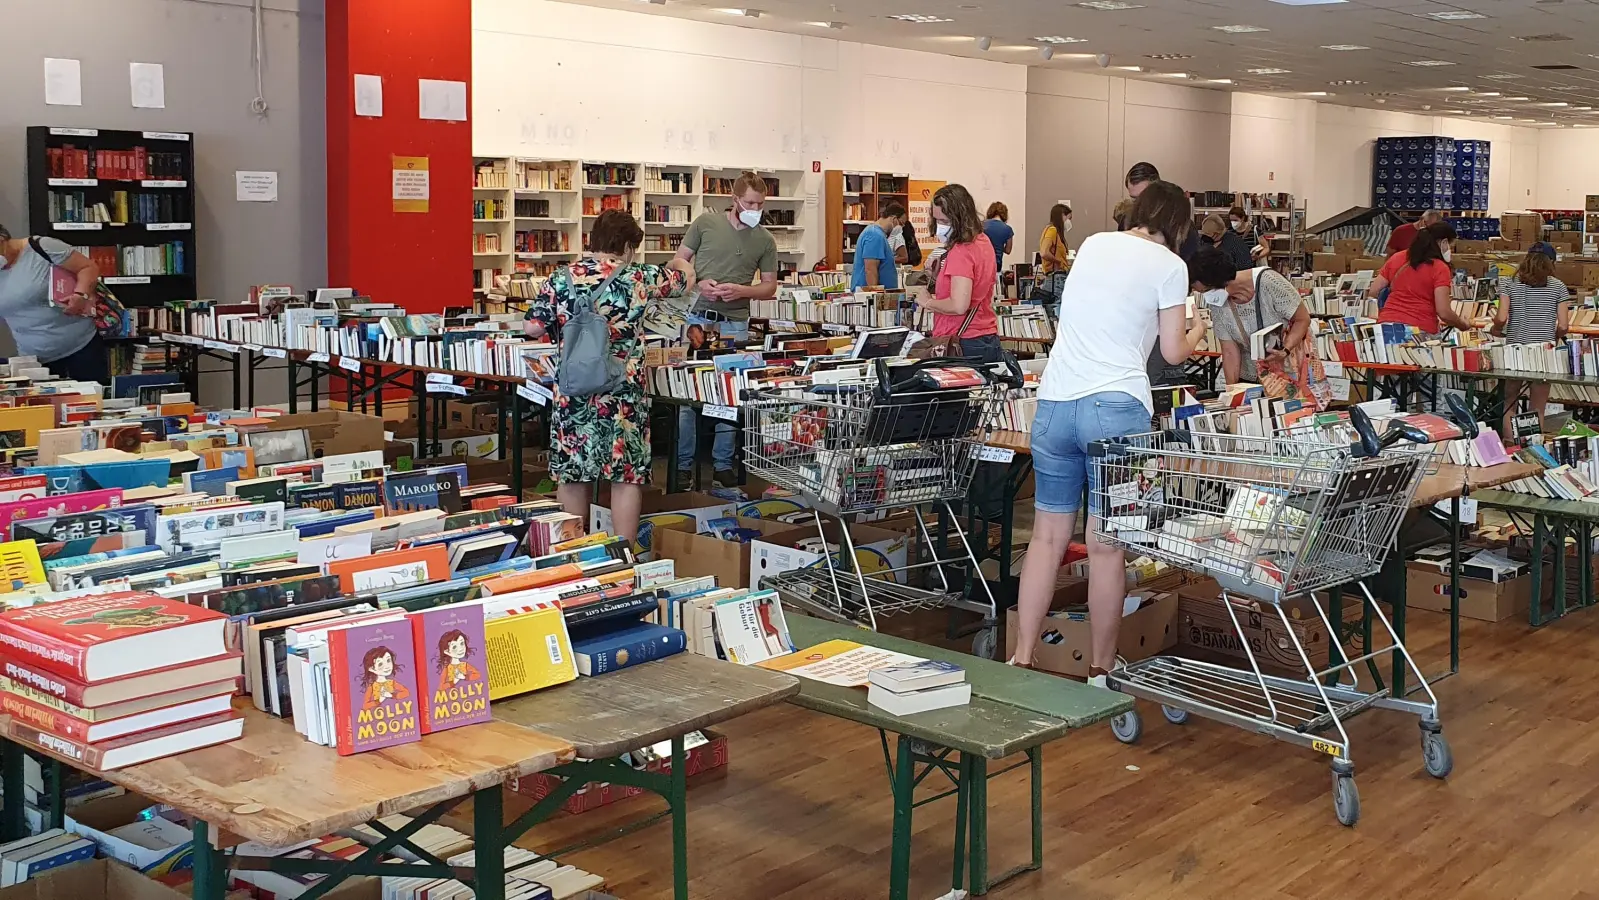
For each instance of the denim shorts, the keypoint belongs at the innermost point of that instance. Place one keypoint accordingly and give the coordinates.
(1062, 431)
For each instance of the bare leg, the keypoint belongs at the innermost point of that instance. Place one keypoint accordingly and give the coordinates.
(1052, 533)
(1107, 588)
(1540, 399)
(1512, 399)
(575, 498)
(626, 499)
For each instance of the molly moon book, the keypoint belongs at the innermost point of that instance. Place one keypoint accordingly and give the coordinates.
(373, 669)
(454, 671)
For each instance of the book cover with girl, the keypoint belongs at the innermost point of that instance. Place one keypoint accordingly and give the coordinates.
(455, 671)
(374, 675)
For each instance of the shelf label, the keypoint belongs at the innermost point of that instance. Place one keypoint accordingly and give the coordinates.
(565, 221)
(440, 378)
(435, 387)
(253, 348)
(534, 392)
(169, 226)
(275, 352)
(218, 345)
(127, 279)
(165, 136)
(77, 226)
(163, 184)
(73, 182)
(350, 363)
(994, 454)
(76, 132)
(837, 329)
(727, 413)
(317, 357)
(783, 324)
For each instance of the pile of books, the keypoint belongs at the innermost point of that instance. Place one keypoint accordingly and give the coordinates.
(22, 859)
(1024, 322)
(917, 688)
(870, 309)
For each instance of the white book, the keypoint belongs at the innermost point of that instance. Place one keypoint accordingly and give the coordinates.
(930, 673)
(913, 702)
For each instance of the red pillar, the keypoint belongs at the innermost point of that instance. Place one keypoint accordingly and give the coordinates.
(419, 260)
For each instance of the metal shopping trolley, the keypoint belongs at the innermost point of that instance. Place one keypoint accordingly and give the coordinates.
(1269, 519)
(909, 440)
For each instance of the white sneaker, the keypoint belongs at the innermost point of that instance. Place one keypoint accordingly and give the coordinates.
(1099, 682)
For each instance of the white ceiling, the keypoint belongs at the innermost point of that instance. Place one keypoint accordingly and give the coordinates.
(1495, 53)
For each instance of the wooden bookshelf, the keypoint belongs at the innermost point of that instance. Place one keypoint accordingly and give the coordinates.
(853, 198)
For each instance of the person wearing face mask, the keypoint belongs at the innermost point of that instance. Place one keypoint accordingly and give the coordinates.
(1243, 301)
(962, 299)
(1052, 251)
(606, 437)
(996, 226)
(1405, 235)
(727, 249)
(1418, 281)
(1214, 232)
(874, 253)
(62, 337)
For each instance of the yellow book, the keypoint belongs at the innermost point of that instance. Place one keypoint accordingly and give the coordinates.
(20, 425)
(528, 651)
(20, 566)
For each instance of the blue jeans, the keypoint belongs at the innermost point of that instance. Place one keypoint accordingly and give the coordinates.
(688, 441)
(1062, 431)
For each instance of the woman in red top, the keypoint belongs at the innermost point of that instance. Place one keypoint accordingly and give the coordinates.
(966, 276)
(1418, 281)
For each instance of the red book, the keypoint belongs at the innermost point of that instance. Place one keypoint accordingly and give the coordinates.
(131, 749)
(107, 636)
(71, 727)
(226, 667)
(139, 159)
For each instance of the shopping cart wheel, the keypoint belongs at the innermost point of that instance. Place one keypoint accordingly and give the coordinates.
(1435, 752)
(985, 642)
(1128, 727)
(1174, 715)
(1346, 799)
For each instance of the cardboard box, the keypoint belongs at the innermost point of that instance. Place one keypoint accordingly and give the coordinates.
(1314, 245)
(453, 440)
(702, 554)
(153, 847)
(1065, 646)
(1428, 588)
(335, 431)
(1366, 263)
(665, 356)
(876, 550)
(1350, 246)
(99, 879)
(463, 413)
(705, 762)
(1334, 263)
(1461, 247)
(661, 510)
(1205, 631)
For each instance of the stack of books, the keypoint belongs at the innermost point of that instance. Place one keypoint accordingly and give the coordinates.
(22, 859)
(922, 687)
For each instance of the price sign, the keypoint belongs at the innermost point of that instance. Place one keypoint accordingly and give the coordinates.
(253, 348)
(728, 413)
(317, 357)
(440, 378)
(438, 388)
(350, 363)
(169, 226)
(535, 393)
(995, 454)
(276, 352)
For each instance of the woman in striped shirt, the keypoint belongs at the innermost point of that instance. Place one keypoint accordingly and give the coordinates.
(1534, 308)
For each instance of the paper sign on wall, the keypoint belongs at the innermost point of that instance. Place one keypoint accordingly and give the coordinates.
(148, 83)
(411, 184)
(255, 187)
(63, 82)
(442, 100)
(369, 95)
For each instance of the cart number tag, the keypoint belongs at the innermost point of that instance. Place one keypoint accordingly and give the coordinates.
(1468, 510)
(995, 454)
(1332, 750)
(729, 413)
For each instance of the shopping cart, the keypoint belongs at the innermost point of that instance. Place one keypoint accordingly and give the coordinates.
(911, 440)
(1269, 519)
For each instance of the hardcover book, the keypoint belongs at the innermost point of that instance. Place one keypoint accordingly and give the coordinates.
(134, 748)
(453, 672)
(422, 490)
(391, 569)
(373, 668)
(261, 490)
(528, 651)
(629, 646)
(56, 506)
(107, 636)
(102, 476)
(212, 482)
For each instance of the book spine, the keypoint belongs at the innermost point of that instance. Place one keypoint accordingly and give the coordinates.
(342, 704)
(82, 755)
(426, 678)
(43, 652)
(43, 718)
(78, 852)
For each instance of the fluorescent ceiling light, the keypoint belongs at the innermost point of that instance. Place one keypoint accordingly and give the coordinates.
(1057, 39)
(1220, 80)
(1504, 117)
(1269, 71)
(740, 11)
(1581, 108)
(1344, 47)
(838, 25)
(1504, 77)
(1239, 29)
(1109, 5)
(1429, 62)
(1307, 2)
(1131, 68)
(1486, 94)
(1317, 94)
(919, 19)
(1172, 74)
(1516, 99)
(1453, 15)
(1455, 88)
(1553, 103)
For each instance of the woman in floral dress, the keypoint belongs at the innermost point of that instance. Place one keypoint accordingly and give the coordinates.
(606, 437)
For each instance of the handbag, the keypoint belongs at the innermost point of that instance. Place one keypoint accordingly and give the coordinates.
(109, 315)
(946, 346)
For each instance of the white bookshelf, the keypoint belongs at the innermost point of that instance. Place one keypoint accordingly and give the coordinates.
(558, 200)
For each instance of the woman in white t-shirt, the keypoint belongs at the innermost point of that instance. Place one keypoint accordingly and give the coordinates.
(1125, 290)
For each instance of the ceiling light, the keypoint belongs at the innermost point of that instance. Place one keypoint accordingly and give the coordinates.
(1220, 80)
(1455, 87)
(1581, 108)
(838, 25)
(1504, 77)
(919, 19)
(1486, 94)
(1307, 2)
(1173, 74)
(1057, 39)
(739, 11)
(983, 43)
(1346, 82)
(1429, 62)
(1167, 56)
(1269, 71)
(1109, 5)
(1504, 117)
(1452, 15)
(1316, 94)
(1381, 100)
(1553, 103)
(1130, 68)
(1516, 99)
(1344, 47)
(1239, 29)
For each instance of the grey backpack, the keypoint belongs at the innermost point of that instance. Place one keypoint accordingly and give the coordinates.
(588, 366)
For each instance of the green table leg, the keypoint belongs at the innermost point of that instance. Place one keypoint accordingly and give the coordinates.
(962, 803)
(488, 838)
(679, 803)
(13, 824)
(1560, 528)
(1585, 562)
(979, 827)
(1035, 757)
(1535, 617)
(1454, 584)
(58, 794)
(210, 865)
(899, 871)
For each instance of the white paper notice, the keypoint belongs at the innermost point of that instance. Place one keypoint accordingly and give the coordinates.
(322, 551)
(63, 82)
(149, 85)
(369, 95)
(255, 187)
(444, 100)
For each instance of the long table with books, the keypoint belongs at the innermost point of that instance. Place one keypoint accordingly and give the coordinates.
(1011, 711)
(274, 788)
(1553, 520)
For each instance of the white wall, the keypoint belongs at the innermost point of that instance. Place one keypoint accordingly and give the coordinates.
(565, 81)
(1564, 171)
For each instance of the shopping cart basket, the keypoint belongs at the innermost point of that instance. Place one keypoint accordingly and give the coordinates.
(1268, 519)
(910, 440)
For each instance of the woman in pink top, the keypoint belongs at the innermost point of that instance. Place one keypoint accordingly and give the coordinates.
(963, 294)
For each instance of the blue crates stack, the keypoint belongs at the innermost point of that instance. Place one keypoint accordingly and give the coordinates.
(1414, 173)
(1474, 229)
(1471, 175)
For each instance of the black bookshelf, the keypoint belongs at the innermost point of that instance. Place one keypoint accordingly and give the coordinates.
(125, 197)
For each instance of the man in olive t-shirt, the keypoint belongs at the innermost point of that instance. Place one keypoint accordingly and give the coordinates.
(726, 249)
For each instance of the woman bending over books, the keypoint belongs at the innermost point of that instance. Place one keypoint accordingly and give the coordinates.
(55, 328)
(1534, 308)
(1125, 290)
(606, 436)
(1419, 281)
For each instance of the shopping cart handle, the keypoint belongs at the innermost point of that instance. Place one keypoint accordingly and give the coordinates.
(1369, 445)
(1012, 377)
(1116, 446)
(1462, 416)
(905, 372)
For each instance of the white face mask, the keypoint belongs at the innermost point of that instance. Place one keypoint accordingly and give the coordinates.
(943, 231)
(1238, 225)
(1068, 226)
(750, 217)
(1449, 256)
(1217, 297)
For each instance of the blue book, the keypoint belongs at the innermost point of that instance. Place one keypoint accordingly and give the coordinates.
(625, 647)
(326, 525)
(213, 482)
(514, 564)
(23, 869)
(127, 386)
(99, 476)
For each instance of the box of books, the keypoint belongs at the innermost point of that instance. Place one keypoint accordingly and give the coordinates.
(1494, 585)
(876, 549)
(664, 511)
(1149, 626)
(334, 431)
(96, 879)
(721, 552)
(705, 757)
(1205, 631)
(119, 828)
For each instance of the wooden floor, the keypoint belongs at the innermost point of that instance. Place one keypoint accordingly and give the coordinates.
(1197, 811)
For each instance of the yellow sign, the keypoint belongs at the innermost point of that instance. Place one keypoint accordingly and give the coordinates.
(411, 190)
(1332, 750)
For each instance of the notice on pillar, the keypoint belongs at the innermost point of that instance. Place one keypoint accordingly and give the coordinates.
(411, 184)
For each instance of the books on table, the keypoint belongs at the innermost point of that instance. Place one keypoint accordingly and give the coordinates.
(920, 687)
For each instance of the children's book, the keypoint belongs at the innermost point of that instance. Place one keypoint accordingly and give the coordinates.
(374, 676)
(453, 668)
